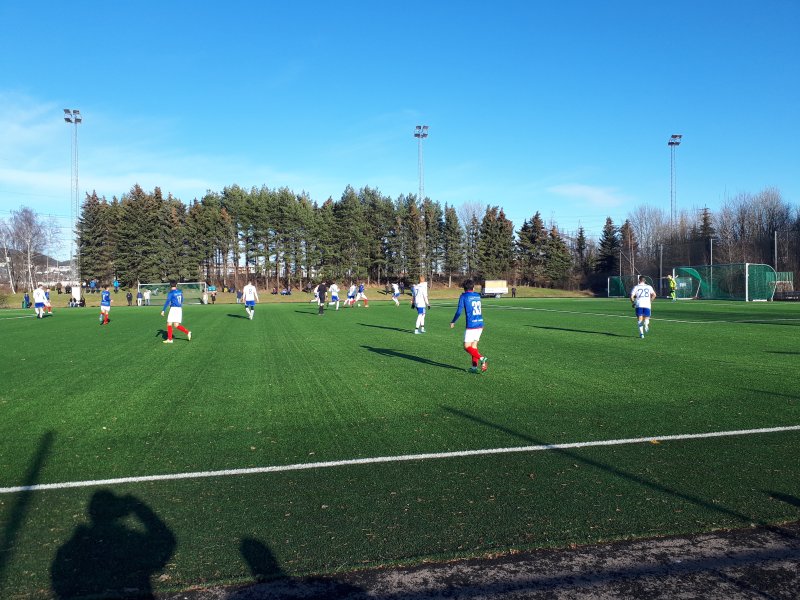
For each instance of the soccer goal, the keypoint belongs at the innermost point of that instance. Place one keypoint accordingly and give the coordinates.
(749, 282)
(193, 291)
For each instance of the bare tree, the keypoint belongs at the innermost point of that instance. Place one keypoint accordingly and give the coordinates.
(650, 225)
(31, 237)
(7, 244)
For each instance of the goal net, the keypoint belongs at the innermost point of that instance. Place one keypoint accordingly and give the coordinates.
(193, 291)
(621, 286)
(739, 281)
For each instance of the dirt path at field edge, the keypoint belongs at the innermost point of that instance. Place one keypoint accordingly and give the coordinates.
(757, 563)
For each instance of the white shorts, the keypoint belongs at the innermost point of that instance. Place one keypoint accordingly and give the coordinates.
(175, 315)
(105, 309)
(472, 335)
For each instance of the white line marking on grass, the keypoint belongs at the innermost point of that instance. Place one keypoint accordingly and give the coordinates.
(390, 459)
(20, 317)
(656, 318)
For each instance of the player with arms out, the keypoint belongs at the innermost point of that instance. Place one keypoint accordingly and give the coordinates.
(105, 305)
(396, 294)
(470, 303)
(174, 302)
(641, 297)
(250, 296)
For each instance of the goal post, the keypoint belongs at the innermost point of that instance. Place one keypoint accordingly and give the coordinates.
(193, 291)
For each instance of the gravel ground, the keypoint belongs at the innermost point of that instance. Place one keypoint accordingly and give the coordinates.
(762, 563)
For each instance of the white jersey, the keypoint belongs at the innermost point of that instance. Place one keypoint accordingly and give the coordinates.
(421, 294)
(351, 293)
(643, 294)
(334, 290)
(249, 293)
(38, 296)
(395, 289)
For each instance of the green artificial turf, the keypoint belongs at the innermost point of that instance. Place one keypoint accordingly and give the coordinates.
(80, 401)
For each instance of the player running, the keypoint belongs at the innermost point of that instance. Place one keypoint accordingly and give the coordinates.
(250, 296)
(39, 300)
(362, 295)
(396, 294)
(174, 302)
(105, 305)
(334, 290)
(641, 297)
(351, 295)
(470, 303)
(419, 299)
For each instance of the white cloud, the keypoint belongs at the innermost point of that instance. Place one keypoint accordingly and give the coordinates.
(600, 197)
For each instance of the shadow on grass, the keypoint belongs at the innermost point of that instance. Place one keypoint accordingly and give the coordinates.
(578, 330)
(781, 352)
(793, 500)
(384, 327)
(238, 316)
(767, 394)
(276, 584)
(19, 508)
(116, 554)
(617, 472)
(395, 354)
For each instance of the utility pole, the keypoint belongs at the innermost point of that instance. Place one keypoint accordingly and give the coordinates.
(73, 117)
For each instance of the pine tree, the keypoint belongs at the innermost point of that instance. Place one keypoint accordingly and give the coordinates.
(94, 237)
(453, 244)
(558, 261)
(350, 227)
(531, 248)
(629, 247)
(608, 252)
(495, 244)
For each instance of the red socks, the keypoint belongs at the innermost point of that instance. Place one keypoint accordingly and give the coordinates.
(169, 332)
(473, 352)
(183, 329)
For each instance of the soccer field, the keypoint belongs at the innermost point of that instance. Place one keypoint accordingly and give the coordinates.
(295, 444)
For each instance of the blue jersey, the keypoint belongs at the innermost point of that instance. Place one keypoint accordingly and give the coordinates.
(174, 299)
(361, 289)
(105, 298)
(470, 303)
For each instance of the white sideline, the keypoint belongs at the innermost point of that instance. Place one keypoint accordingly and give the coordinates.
(389, 459)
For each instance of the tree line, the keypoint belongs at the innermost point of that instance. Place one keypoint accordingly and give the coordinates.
(280, 238)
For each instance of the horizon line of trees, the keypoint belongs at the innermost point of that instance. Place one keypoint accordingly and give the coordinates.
(280, 238)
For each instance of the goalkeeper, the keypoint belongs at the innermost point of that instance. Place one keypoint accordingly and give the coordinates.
(672, 287)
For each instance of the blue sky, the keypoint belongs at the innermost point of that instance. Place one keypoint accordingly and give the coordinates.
(562, 107)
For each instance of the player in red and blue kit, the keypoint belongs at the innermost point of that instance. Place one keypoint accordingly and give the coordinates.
(470, 303)
(174, 302)
(105, 305)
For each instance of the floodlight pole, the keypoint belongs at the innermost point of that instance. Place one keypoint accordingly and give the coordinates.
(73, 117)
(421, 132)
(673, 143)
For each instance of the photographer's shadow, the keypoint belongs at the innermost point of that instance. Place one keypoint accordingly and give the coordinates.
(116, 554)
